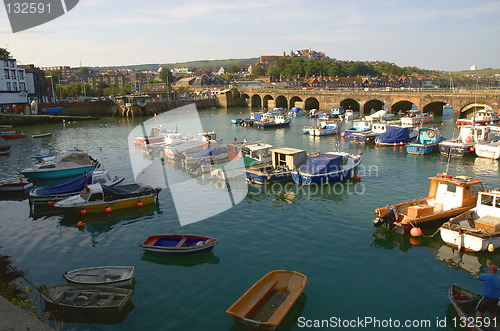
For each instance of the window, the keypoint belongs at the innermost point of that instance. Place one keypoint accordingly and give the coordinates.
(14, 86)
(13, 73)
(476, 188)
(12, 64)
(7, 73)
(22, 87)
(21, 74)
(5, 63)
(8, 86)
(497, 202)
(486, 200)
(452, 187)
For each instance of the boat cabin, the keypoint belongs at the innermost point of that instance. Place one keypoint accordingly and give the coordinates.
(256, 116)
(379, 128)
(428, 136)
(259, 152)
(288, 158)
(278, 119)
(92, 192)
(470, 133)
(362, 125)
(447, 192)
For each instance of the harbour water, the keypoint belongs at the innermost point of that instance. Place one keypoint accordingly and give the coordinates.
(325, 233)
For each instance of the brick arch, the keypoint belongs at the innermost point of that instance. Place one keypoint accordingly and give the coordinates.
(281, 101)
(374, 104)
(246, 99)
(401, 106)
(296, 101)
(268, 102)
(469, 109)
(311, 103)
(256, 101)
(435, 107)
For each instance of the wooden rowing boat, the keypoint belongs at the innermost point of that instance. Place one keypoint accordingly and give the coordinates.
(107, 276)
(86, 298)
(15, 189)
(41, 135)
(269, 300)
(465, 303)
(178, 244)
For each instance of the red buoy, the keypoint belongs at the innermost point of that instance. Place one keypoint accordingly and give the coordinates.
(416, 232)
(343, 134)
(108, 209)
(356, 176)
(79, 224)
(50, 203)
(471, 149)
(83, 211)
(139, 204)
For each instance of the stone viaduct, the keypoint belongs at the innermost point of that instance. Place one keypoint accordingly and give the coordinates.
(361, 101)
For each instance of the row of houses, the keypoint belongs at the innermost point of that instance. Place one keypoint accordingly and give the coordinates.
(21, 83)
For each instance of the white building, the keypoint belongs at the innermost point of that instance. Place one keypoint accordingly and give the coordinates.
(473, 67)
(13, 87)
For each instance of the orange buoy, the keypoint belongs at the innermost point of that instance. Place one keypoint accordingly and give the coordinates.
(468, 140)
(471, 149)
(108, 209)
(491, 248)
(395, 144)
(415, 241)
(83, 211)
(416, 232)
(442, 124)
(50, 203)
(79, 224)
(343, 134)
(21, 180)
(356, 176)
(139, 204)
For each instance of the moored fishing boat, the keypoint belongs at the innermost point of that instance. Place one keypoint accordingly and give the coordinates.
(102, 276)
(327, 168)
(155, 136)
(448, 196)
(465, 304)
(396, 135)
(481, 117)
(68, 164)
(92, 299)
(178, 244)
(42, 195)
(368, 137)
(358, 126)
(296, 111)
(99, 198)
(20, 188)
(489, 150)
(269, 121)
(266, 303)
(468, 137)
(428, 140)
(415, 118)
(477, 229)
(12, 134)
(284, 161)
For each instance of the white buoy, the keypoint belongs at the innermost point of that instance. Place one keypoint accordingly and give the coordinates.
(491, 248)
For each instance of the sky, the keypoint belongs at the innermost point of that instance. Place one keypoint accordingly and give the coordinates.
(448, 35)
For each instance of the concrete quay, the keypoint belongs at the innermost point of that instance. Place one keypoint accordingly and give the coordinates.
(22, 120)
(14, 318)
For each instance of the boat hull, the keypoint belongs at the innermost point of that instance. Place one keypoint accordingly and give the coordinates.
(333, 177)
(115, 276)
(271, 125)
(456, 150)
(54, 174)
(259, 177)
(421, 149)
(178, 244)
(469, 241)
(100, 207)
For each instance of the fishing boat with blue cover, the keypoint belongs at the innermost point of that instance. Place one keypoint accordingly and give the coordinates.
(326, 128)
(396, 135)
(69, 164)
(368, 137)
(296, 111)
(327, 168)
(428, 140)
(284, 161)
(42, 195)
(178, 244)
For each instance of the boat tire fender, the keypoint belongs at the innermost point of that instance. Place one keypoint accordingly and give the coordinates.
(431, 134)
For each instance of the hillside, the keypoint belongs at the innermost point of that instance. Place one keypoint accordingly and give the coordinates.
(200, 64)
(482, 72)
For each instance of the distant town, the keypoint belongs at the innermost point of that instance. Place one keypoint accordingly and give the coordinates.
(300, 69)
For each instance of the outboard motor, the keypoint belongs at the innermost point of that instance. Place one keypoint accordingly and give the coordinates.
(391, 216)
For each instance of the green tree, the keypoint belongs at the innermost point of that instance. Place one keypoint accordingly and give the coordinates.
(273, 72)
(226, 76)
(232, 69)
(83, 70)
(4, 52)
(258, 71)
(164, 73)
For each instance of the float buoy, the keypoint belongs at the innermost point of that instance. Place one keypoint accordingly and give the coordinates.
(468, 140)
(395, 144)
(491, 248)
(416, 232)
(80, 224)
(50, 203)
(108, 209)
(471, 149)
(139, 204)
(83, 211)
(356, 176)
(343, 134)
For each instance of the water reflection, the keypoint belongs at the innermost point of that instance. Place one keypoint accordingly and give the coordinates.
(57, 314)
(468, 262)
(181, 260)
(391, 240)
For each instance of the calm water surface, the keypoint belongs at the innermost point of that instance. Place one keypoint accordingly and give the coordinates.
(353, 271)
